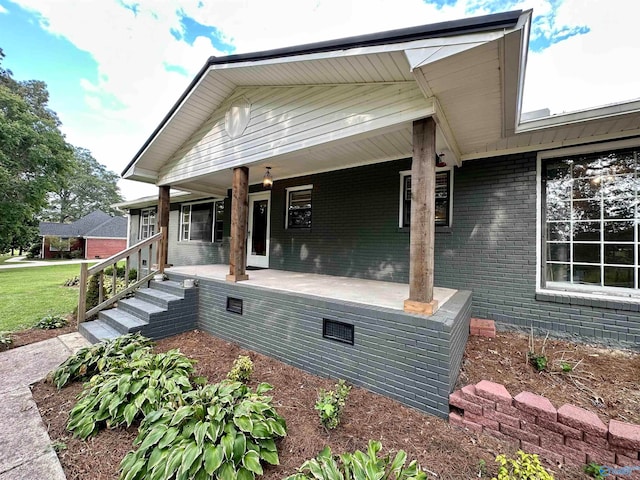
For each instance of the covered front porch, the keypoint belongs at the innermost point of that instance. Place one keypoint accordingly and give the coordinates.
(346, 289)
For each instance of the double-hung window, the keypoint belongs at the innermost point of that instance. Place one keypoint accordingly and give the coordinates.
(590, 216)
(201, 222)
(443, 199)
(147, 223)
(299, 206)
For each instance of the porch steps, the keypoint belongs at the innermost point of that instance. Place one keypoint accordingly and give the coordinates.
(163, 309)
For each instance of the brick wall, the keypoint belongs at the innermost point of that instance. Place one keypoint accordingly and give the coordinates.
(104, 247)
(567, 435)
(491, 250)
(410, 358)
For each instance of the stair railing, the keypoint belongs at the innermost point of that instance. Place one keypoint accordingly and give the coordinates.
(143, 248)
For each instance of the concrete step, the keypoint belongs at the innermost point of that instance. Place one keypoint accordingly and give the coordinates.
(169, 286)
(122, 321)
(157, 297)
(139, 308)
(97, 330)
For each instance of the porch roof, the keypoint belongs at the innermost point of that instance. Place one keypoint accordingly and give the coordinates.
(357, 290)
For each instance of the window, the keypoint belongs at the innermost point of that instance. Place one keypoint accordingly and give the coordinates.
(590, 216)
(147, 223)
(299, 207)
(202, 222)
(59, 244)
(443, 196)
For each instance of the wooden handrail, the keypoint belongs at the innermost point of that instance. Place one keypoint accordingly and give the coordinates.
(98, 269)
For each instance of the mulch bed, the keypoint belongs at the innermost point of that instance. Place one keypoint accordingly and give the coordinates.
(33, 335)
(446, 451)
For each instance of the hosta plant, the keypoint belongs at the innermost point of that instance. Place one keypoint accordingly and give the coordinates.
(221, 431)
(129, 390)
(51, 321)
(241, 370)
(99, 357)
(359, 466)
(5, 340)
(525, 467)
(331, 403)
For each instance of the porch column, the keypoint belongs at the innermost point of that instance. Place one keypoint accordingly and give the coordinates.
(422, 233)
(163, 225)
(239, 217)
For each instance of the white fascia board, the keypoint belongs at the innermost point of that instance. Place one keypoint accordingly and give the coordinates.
(140, 174)
(588, 114)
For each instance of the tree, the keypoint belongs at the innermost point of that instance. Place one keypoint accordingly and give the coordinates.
(33, 153)
(89, 186)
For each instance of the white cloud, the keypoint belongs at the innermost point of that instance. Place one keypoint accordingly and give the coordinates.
(3, 10)
(132, 90)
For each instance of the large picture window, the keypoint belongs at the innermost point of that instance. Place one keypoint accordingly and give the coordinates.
(590, 221)
(147, 223)
(202, 222)
(443, 199)
(299, 206)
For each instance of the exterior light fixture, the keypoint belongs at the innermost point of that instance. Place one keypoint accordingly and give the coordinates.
(267, 180)
(440, 163)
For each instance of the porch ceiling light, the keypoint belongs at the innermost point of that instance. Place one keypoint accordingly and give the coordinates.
(267, 180)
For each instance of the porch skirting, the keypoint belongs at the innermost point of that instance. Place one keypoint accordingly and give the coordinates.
(411, 358)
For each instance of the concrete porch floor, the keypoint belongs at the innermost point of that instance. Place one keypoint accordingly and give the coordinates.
(368, 292)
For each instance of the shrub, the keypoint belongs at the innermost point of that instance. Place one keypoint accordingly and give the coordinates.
(241, 370)
(525, 467)
(331, 403)
(51, 321)
(34, 250)
(359, 465)
(97, 358)
(220, 431)
(129, 390)
(93, 292)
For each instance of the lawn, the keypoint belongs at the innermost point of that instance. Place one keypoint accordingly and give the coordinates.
(28, 294)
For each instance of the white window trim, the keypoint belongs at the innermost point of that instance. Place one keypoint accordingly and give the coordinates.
(406, 173)
(142, 211)
(296, 189)
(578, 291)
(62, 239)
(213, 201)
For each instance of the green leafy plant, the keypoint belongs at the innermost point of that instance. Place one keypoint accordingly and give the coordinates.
(58, 446)
(93, 292)
(525, 467)
(241, 370)
(5, 340)
(97, 358)
(130, 389)
(51, 321)
(594, 470)
(359, 466)
(219, 431)
(537, 360)
(331, 403)
(566, 367)
(482, 468)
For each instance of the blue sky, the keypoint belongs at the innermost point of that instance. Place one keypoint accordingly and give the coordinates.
(115, 67)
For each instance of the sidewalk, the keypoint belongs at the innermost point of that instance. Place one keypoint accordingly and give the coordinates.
(14, 263)
(25, 446)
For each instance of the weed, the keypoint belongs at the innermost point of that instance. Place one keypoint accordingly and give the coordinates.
(594, 470)
(330, 404)
(58, 446)
(537, 360)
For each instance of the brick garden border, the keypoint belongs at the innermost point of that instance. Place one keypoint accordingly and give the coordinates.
(568, 435)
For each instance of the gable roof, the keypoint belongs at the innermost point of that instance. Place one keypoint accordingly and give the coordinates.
(405, 55)
(94, 224)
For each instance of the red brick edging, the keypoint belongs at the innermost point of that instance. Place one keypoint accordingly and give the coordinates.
(568, 435)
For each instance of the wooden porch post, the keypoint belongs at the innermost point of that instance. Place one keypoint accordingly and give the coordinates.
(422, 234)
(239, 217)
(163, 226)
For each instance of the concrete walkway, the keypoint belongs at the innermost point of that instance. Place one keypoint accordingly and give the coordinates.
(25, 446)
(22, 263)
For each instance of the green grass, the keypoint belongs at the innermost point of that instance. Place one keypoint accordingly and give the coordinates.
(29, 293)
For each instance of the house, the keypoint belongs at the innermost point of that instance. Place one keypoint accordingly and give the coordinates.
(96, 235)
(346, 206)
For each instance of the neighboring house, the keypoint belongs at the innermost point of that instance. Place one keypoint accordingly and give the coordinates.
(96, 235)
(399, 157)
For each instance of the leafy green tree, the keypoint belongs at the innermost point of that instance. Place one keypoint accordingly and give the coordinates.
(33, 153)
(89, 186)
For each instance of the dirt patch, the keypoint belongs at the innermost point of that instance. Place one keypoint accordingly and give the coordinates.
(604, 381)
(33, 335)
(446, 451)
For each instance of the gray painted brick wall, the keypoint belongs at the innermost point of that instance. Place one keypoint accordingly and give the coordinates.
(491, 250)
(410, 358)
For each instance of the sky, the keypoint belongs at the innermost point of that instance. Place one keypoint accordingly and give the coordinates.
(114, 68)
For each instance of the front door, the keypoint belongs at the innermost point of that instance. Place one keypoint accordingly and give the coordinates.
(258, 238)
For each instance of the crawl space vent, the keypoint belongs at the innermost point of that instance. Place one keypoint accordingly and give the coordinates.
(338, 331)
(234, 305)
